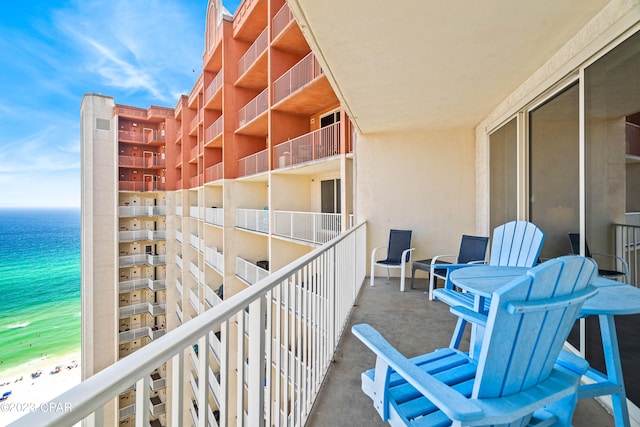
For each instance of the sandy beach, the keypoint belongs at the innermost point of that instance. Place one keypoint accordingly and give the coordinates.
(28, 393)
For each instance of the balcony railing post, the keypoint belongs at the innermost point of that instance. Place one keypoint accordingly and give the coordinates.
(203, 381)
(177, 389)
(142, 401)
(255, 381)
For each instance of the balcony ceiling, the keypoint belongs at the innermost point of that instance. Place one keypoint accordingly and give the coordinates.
(431, 64)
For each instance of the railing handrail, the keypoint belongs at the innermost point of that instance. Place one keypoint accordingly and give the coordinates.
(94, 392)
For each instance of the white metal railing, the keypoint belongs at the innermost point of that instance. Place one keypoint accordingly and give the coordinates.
(193, 299)
(133, 285)
(179, 287)
(627, 247)
(299, 75)
(124, 211)
(253, 219)
(311, 227)
(214, 258)
(179, 261)
(156, 184)
(299, 312)
(211, 297)
(141, 259)
(254, 164)
(249, 272)
(196, 242)
(135, 334)
(179, 210)
(135, 235)
(213, 130)
(319, 144)
(196, 272)
(196, 212)
(254, 108)
(214, 173)
(280, 20)
(179, 311)
(254, 51)
(213, 87)
(214, 216)
(143, 307)
(179, 237)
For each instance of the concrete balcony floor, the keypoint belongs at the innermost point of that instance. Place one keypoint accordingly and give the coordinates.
(414, 325)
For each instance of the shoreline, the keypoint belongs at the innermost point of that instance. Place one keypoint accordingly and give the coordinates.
(28, 393)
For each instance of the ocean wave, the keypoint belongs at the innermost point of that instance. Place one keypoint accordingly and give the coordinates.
(18, 325)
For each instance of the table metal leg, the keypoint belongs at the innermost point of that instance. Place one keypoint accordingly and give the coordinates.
(612, 383)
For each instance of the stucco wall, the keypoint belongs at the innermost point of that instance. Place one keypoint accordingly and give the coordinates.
(418, 180)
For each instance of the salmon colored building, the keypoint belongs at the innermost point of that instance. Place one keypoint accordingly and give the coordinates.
(186, 206)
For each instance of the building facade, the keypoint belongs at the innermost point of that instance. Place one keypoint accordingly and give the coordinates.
(186, 206)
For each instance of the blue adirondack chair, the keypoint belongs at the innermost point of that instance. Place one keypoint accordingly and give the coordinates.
(518, 378)
(514, 244)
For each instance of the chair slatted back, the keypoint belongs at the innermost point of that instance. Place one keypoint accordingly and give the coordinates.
(399, 241)
(472, 248)
(516, 244)
(520, 348)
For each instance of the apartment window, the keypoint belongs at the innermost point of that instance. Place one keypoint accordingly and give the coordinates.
(329, 119)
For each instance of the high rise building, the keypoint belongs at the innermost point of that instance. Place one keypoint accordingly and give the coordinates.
(186, 206)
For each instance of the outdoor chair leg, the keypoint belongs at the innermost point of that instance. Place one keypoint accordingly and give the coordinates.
(457, 333)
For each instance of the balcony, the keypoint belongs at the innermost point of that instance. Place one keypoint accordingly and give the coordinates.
(196, 273)
(141, 186)
(141, 259)
(254, 164)
(215, 259)
(143, 307)
(157, 407)
(133, 211)
(196, 212)
(179, 261)
(157, 382)
(253, 219)
(134, 285)
(148, 136)
(212, 94)
(149, 162)
(250, 58)
(179, 236)
(213, 132)
(214, 216)
(142, 235)
(214, 173)
(312, 227)
(196, 242)
(253, 109)
(249, 272)
(193, 299)
(144, 332)
(127, 411)
(179, 210)
(179, 287)
(313, 146)
(281, 20)
(179, 312)
(211, 297)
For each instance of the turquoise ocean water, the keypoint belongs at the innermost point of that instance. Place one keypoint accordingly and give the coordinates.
(39, 284)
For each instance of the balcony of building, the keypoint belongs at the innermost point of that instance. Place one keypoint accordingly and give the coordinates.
(318, 400)
(179, 312)
(139, 333)
(141, 259)
(252, 67)
(134, 285)
(213, 93)
(142, 235)
(213, 133)
(195, 91)
(214, 173)
(179, 288)
(196, 273)
(286, 34)
(135, 211)
(179, 261)
(143, 307)
(214, 216)
(196, 181)
(211, 297)
(195, 121)
(179, 236)
(149, 184)
(311, 147)
(157, 407)
(195, 152)
(254, 164)
(179, 209)
(157, 381)
(214, 259)
(250, 272)
(304, 89)
(250, 19)
(196, 242)
(311, 227)
(195, 302)
(196, 212)
(252, 118)
(253, 219)
(151, 137)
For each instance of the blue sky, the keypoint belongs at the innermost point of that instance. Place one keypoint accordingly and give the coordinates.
(141, 52)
